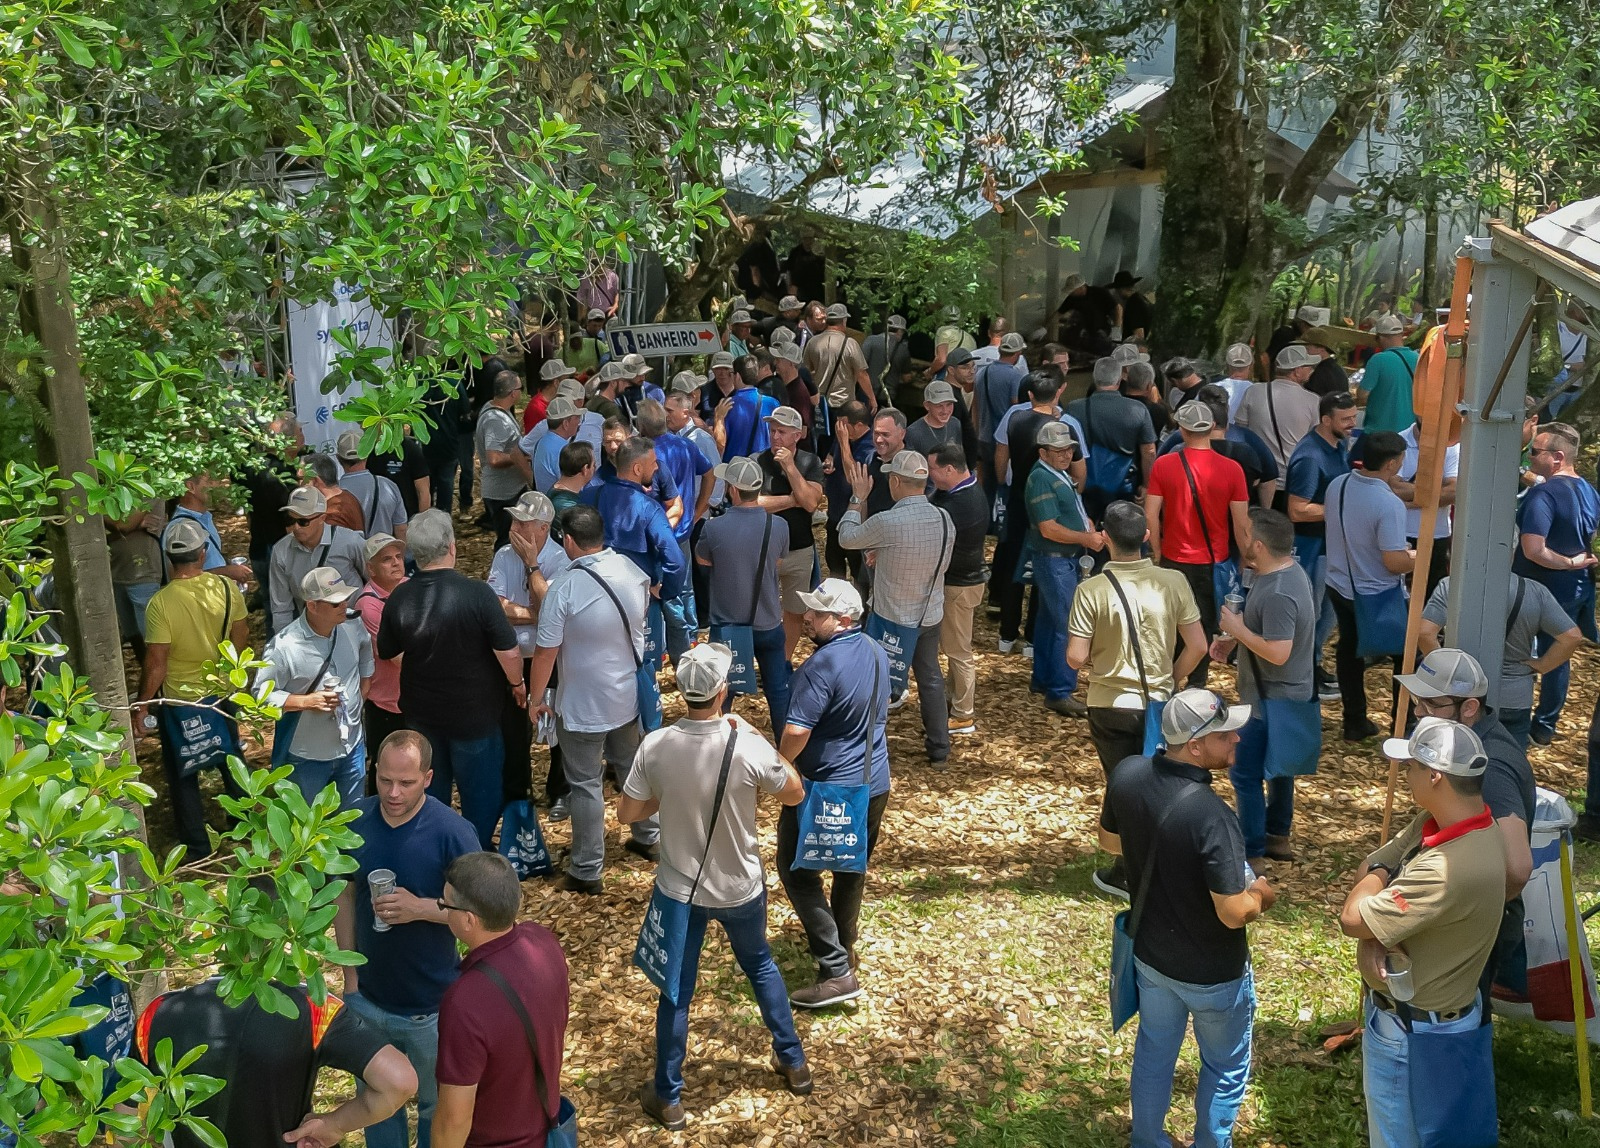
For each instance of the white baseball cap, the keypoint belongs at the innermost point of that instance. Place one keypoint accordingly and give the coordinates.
(1442, 745)
(834, 596)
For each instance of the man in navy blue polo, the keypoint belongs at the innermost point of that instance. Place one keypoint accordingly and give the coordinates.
(1318, 459)
(838, 705)
(636, 525)
(691, 474)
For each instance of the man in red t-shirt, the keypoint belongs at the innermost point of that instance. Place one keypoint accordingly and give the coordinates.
(492, 1091)
(1199, 513)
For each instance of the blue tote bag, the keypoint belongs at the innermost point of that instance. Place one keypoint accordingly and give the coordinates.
(1287, 738)
(646, 692)
(522, 841)
(1452, 1090)
(203, 735)
(832, 819)
(665, 931)
(1125, 926)
(1108, 473)
(741, 637)
(899, 640)
(1153, 741)
(563, 1131)
(1382, 618)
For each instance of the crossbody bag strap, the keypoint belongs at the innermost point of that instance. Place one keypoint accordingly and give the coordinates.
(1136, 910)
(1516, 604)
(1272, 413)
(1200, 512)
(1411, 372)
(936, 582)
(1133, 634)
(227, 605)
(627, 626)
(372, 507)
(539, 1078)
(716, 812)
(1344, 536)
(761, 570)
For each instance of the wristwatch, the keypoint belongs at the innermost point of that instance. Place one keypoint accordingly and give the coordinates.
(1388, 871)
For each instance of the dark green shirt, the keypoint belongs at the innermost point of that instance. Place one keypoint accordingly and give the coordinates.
(1052, 498)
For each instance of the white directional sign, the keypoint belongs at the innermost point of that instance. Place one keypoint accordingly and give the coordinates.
(657, 339)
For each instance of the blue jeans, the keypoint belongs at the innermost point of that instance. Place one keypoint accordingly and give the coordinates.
(418, 1038)
(348, 774)
(683, 623)
(1386, 1075)
(1518, 724)
(474, 765)
(1553, 686)
(773, 661)
(1055, 581)
(132, 600)
(1224, 1016)
(746, 926)
(1265, 807)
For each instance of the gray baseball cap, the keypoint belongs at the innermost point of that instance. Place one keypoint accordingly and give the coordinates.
(1239, 355)
(561, 408)
(594, 313)
(938, 391)
(836, 312)
(739, 317)
(555, 369)
(787, 350)
(380, 542)
(532, 507)
(790, 303)
(909, 464)
(325, 584)
(1012, 343)
(1195, 416)
(1195, 713)
(347, 447)
(635, 365)
(896, 323)
(721, 359)
(686, 383)
(1295, 356)
(306, 502)
(1447, 673)
(185, 536)
(703, 670)
(787, 417)
(741, 473)
(1053, 436)
(1388, 325)
(1442, 745)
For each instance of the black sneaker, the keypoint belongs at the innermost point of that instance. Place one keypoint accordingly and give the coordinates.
(571, 884)
(640, 849)
(1541, 736)
(1360, 732)
(1588, 827)
(1112, 881)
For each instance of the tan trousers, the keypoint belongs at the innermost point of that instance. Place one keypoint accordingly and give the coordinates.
(955, 639)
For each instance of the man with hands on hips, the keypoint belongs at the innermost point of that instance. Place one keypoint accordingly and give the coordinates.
(411, 839)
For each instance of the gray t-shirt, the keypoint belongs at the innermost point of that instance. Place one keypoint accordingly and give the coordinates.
(922, 438)
(1539, 613)
(382, 508)
(508, 578)
(498, 431)
(679, 765)
(1279, 606)
(1113, 421)
(1365, 519)
(293, 657)
(731, 546)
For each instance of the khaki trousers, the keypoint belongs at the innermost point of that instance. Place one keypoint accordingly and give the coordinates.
(955, 639)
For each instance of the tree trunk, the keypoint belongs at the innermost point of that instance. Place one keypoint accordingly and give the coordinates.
(716, 252)
(1430, 255)
(1212, 201)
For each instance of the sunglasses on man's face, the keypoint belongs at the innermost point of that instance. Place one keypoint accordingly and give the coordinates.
(302, 521)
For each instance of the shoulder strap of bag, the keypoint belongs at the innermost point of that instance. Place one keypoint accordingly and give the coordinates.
(827, 380)
(1411, 372)
(1344, 538)
(1272, 413)
(936, 581)
(1200, 513)
(627, 626)
(510, 994)
(761, 571)
(716, 811)
(1516, 604)
(372, 507)
(227, 605)
(1133, 633)
(1136, 911)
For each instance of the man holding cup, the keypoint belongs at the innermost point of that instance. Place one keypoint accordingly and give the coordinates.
(390, 913)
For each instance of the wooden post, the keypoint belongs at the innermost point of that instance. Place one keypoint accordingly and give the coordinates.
(1432, 442)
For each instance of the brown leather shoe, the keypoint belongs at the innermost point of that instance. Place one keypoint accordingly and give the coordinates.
(571, 884)
(1279, 849)
(798, 1077)
(669, 1116)
(834, 990)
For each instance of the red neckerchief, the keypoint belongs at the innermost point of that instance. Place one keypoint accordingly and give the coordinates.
(1433, 836)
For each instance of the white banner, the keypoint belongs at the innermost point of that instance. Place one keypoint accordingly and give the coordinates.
(657, 339)
(311, 354)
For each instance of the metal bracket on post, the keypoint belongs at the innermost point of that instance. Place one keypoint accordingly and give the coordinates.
(1511, 353)
(1477, 248)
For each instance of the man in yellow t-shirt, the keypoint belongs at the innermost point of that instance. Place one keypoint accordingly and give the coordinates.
(185, 622)
(1427, 910)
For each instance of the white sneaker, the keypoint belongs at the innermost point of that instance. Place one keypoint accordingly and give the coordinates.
(1027, 650)
(1006, 647)
(899, 699)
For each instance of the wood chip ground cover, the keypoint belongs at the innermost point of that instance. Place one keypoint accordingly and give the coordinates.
(983, 957)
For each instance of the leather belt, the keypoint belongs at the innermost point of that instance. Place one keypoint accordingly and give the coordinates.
(1387, 1004)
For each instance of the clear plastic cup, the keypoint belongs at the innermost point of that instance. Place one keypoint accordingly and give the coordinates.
(1397, 975)
(1234, 602)
(381, 883)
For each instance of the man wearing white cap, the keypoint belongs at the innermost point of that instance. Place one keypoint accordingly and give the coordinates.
(1385, 389)
(590, 429)
(386, 569)
(938, 424)
(791, 488)
(383, 510)
(1239, 363)
(550, 376)
(1195, 895)
(888, 357)
(1426, 910)
(705, 775)
(1282, 411)
(909, 546)
(1304, 320)
(310, 542)
(739, 325)
(796, 380)
(320, 666)
(787, 319)
(561, 420)
(520, 575)
(718, 385)
(836, 731)
(837, 364)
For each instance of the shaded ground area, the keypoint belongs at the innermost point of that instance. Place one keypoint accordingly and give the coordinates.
(984, 955)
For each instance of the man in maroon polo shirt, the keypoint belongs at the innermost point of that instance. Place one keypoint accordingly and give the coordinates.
(484, 1051)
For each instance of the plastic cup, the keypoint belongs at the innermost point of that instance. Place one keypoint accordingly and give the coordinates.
(1234, 602)
(381, 883)
(1397, 975)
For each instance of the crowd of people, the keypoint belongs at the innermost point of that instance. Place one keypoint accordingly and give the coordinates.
(642, 525)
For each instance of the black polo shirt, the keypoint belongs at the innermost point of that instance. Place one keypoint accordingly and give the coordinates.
(1200, 852)
(775, 481)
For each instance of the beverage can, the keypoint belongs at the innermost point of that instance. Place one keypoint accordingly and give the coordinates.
(381, 883)
(149, 721)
